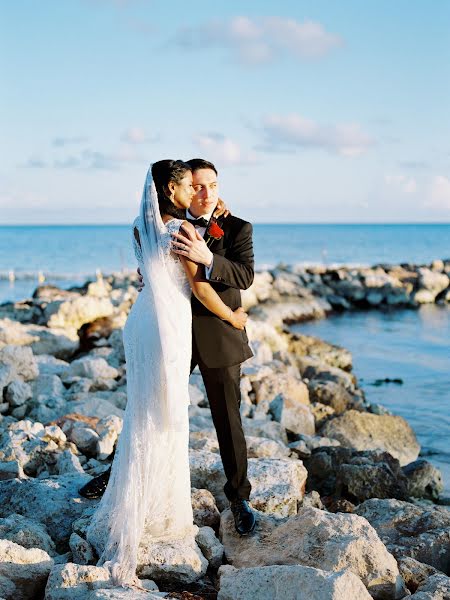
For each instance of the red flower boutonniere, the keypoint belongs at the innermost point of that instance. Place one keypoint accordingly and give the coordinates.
(214, 232)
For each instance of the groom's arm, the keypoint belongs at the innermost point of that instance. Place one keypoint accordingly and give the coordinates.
(238, 268)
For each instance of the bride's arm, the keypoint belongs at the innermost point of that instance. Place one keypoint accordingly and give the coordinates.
(207, 295)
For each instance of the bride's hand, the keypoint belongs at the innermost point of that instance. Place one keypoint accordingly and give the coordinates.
(193, 246)
(221, 209)
(239, 318)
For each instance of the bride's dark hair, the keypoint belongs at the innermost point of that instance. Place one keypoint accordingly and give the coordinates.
(163, 172)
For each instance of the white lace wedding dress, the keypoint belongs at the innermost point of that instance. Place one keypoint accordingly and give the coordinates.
(149, 491)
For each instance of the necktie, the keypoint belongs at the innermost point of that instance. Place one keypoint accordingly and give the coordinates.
(200, 222)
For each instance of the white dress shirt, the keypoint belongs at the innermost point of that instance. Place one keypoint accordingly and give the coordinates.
(202, 231)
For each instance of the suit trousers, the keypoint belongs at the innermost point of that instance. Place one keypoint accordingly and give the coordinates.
(223, 390)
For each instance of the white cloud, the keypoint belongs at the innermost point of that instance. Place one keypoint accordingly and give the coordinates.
(290, 132)
(223, 150)
(260, 40)
(136, 135)
(66, 141)
(403, 183)
(439, 194)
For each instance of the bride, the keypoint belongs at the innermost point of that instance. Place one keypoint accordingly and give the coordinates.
(149, 490)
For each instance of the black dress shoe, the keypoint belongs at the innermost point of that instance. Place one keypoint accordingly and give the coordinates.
(244, 518)
(96, 487)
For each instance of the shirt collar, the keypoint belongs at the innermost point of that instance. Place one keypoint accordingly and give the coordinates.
(207, 216)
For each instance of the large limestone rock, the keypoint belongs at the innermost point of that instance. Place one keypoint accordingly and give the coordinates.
(70, 315)
(23, 571)
(278, 485)
(423, 533)
(54, 502)
(210, 546)
(178, 560)
(366, 431)
(27, 533)
(92, 368)
(315, 538)
(437, 587)
(334, 356)
(355, 475)
(204, 508)
(292, 415)
(21, 361)
(424, 480)
(289, 582)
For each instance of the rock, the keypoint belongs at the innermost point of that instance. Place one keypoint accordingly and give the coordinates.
(171, 560)
(10, 470)
(330, 393)
(264, 428)
(93, 405)
(278, 485)
(283, 582)
(75, 582)
(414, 573)
(21, 360)
(53, 341)
(354, 475)
(53, 502)
(365, 431)
(68, 462)
(109, 429)
(27, 533)
(18, 392)
(92, 368)
(293, 416)
(204, 508)
(26, 568)
(70, 315)
(84, 438)
(48, 385)
(330, 354)
(49, 365)
(210, 546)
(424, 479)
(437, 587)
(410, 530)
(314, 369)
(258, 447)
(82, 551)
(318, 539)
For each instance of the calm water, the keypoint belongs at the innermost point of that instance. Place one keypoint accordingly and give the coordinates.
(409, 344)
(68, 254)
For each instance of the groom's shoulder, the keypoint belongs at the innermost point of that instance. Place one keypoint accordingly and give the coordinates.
(237, 224)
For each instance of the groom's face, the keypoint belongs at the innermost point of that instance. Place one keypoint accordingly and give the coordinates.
(206, 191)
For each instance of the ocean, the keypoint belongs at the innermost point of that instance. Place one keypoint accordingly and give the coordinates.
(410, 344)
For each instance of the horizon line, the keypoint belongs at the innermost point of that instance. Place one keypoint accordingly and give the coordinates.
(122, 224)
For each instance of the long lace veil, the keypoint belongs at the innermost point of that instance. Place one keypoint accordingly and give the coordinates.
(155, 416)
(162, 287)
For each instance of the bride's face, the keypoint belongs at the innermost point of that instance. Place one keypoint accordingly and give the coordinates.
(182, 192)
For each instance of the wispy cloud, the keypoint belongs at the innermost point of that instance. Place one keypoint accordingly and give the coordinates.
(293, 132)
(136, 135)
(223, 150)
(67, 141)
(439, 194)
(414, 165)
(402, 183)
(261, 40)
(34, 163)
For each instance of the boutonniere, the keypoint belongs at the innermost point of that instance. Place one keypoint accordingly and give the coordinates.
(214, 232)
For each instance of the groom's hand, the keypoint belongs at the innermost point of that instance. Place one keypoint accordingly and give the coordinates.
(193, 246)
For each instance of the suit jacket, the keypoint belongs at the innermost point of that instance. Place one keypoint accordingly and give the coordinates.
(218, 343)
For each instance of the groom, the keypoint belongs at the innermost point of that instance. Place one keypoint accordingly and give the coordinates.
(217, 348)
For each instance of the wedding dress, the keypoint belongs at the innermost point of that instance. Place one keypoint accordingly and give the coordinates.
(149, 491)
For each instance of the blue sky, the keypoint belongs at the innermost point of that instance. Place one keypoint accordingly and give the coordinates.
(312, 111)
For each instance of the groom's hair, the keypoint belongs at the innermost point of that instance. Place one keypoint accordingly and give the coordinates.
(201, 163)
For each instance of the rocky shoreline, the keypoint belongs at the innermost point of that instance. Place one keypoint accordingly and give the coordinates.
(346, 508)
